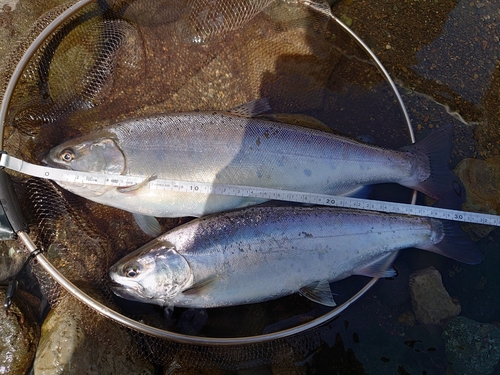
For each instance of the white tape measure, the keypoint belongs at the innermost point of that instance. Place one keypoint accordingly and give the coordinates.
(56, 174)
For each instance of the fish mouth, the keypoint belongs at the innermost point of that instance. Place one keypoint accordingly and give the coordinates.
(115, 285)
(44, 160)
(120, 290)
(125, 291)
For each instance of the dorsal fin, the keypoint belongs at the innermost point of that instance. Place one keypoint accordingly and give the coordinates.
(251, 109)
(300, 120)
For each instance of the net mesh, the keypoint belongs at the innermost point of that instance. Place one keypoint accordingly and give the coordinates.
(115, 60)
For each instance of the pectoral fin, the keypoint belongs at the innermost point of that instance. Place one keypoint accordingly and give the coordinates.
(319, 292)
(168, 312)
(136, 187)
(381, 267)
(251, 109)
(148, 224)
(360, 192)
(200, 286)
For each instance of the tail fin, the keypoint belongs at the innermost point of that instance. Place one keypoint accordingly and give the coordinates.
(456, 244)
(442, 182)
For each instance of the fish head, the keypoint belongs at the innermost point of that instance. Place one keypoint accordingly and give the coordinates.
(154, 273)
(98, 152)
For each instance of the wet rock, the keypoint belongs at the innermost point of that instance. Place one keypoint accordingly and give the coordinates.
(472, 347)
(12, 258)
(481, 179)
(345, 359)
(76, 340)
(407, 318)
(431, 302)
(394, 292)
(20, 334)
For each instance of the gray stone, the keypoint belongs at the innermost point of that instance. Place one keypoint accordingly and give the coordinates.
(472, 348)
(76, 340)
(20, 334)
(481, 181)
(12, 258)
(431, 302)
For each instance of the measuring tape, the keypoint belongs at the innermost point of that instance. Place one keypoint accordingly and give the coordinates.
(65, 175)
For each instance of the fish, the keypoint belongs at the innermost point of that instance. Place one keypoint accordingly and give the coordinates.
(263, 253)
(246, 147)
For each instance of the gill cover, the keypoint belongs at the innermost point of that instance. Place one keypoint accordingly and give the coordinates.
(176, 273)
(89, 154)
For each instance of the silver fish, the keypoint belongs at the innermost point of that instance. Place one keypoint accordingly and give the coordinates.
(262, 253)
(236, 147)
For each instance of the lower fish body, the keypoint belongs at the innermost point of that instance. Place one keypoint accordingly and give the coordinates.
(263, 253)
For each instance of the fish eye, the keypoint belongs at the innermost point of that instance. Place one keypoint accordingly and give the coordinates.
(131, 270)
(67, 155)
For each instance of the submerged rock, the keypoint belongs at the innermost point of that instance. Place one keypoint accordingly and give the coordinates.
(431, 302)
(76, 340)
(472, 347)
(12, 258)
(481, 179)
(20, 334)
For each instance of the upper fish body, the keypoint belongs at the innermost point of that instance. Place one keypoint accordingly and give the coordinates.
(232, 148)
(263, 253)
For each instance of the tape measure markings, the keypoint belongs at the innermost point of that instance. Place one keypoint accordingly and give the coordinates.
(84, 178)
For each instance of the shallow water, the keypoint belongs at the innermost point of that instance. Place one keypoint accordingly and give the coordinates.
(444, 55)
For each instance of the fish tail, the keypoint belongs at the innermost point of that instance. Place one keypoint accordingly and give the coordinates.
(442, 183)
(455, 243)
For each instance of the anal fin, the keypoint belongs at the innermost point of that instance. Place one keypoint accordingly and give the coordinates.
(319, 292)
